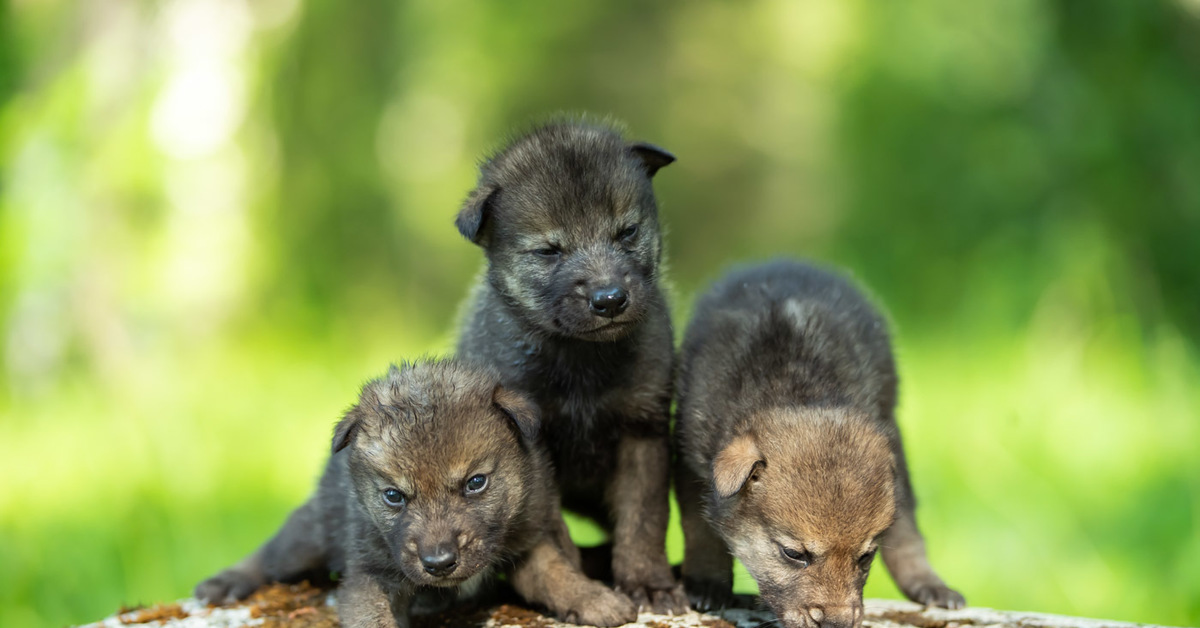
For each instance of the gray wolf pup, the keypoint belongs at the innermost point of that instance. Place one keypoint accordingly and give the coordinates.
(570, 312)
(790, 457)
(436, 480)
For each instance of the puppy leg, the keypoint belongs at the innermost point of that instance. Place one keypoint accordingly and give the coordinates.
(707, 563)
(546, 576)
(364, 603)
(638, 496)
(234, 583)
(561, 535)
(296, 549)
(904, 554)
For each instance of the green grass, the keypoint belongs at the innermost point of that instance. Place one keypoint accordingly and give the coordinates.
(1057, 472)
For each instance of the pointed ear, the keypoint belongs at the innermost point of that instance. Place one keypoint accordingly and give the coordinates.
(735, 465)
(522, 415)
(350, 425)
(474, 212)
(651, 156)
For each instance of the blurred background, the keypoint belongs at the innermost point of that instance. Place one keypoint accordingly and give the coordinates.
(219, 217)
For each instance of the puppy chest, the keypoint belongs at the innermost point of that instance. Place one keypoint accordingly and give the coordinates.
(581, 442)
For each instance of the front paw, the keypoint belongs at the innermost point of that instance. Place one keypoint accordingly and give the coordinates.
(708, 595)
(601, 606)
(937, 594)
(227, 587)
(663, 600)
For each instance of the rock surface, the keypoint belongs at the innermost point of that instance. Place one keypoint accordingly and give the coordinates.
(304, 606)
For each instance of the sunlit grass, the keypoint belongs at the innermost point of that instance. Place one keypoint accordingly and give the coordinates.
(1056, 473)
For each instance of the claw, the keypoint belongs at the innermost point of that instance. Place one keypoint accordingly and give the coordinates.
(671, 601)
(227, 587)
(708, 595)
(939, 595)
(602, 607)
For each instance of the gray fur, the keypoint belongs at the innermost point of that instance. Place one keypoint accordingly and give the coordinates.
(782, 332)
(425, 429)
(786, 430)
(561, 211)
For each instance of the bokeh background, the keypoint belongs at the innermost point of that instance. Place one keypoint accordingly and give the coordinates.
(219, 217)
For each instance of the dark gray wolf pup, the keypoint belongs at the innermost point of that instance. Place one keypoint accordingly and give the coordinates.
(789, 448)
(571, 313)
(435, 480)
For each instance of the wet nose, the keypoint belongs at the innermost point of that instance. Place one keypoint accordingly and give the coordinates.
(836, 617)
(609, 301)
(440, 561)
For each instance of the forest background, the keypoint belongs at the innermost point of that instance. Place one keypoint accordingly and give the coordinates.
(218, 218)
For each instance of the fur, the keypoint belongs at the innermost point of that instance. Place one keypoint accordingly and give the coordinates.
(425, 430)
(562, 212)
(790, 457)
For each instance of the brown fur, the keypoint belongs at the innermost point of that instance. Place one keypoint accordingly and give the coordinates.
(822, 484)
(735, 464)
(426, 430)
(790, 458)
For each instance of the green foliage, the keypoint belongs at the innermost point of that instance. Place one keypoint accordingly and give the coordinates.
(218, 218)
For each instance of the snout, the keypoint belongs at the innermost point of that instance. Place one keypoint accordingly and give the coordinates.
(608, 301)
(793, 612)
(596, 296)
(440, 560)
(834, 616)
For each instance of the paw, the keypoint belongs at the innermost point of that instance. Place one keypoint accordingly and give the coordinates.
(938, 594)
(668, 600)
(227, 587)
(601, 606)
(708, 595)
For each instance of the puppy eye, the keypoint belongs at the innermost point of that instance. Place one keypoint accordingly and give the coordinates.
(476, 484)
(627, 233)
(548, 252)
(801, 558)
(394, 498)
(864, 561)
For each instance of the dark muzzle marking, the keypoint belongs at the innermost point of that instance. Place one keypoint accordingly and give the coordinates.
(609, 301)
(440, 561)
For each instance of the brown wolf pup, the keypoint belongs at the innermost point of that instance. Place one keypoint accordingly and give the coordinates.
(436, 479)
(789, 448)
(571, 313)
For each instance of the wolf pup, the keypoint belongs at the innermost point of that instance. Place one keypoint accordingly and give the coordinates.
(436, 478)
(789, 448)
(571, 313)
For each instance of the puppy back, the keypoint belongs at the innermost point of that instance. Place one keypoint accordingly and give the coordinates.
(780, 334)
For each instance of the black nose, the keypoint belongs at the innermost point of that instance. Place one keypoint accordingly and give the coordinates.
(441, 561)
(609, 301)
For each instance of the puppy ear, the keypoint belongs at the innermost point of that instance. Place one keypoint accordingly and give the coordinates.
(651, 156)
(522, 415)
(735, 465)
(474, 212)
(350, 425)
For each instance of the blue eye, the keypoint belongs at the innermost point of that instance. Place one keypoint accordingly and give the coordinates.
(476, 484)
(394, 498)
(548, 252)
